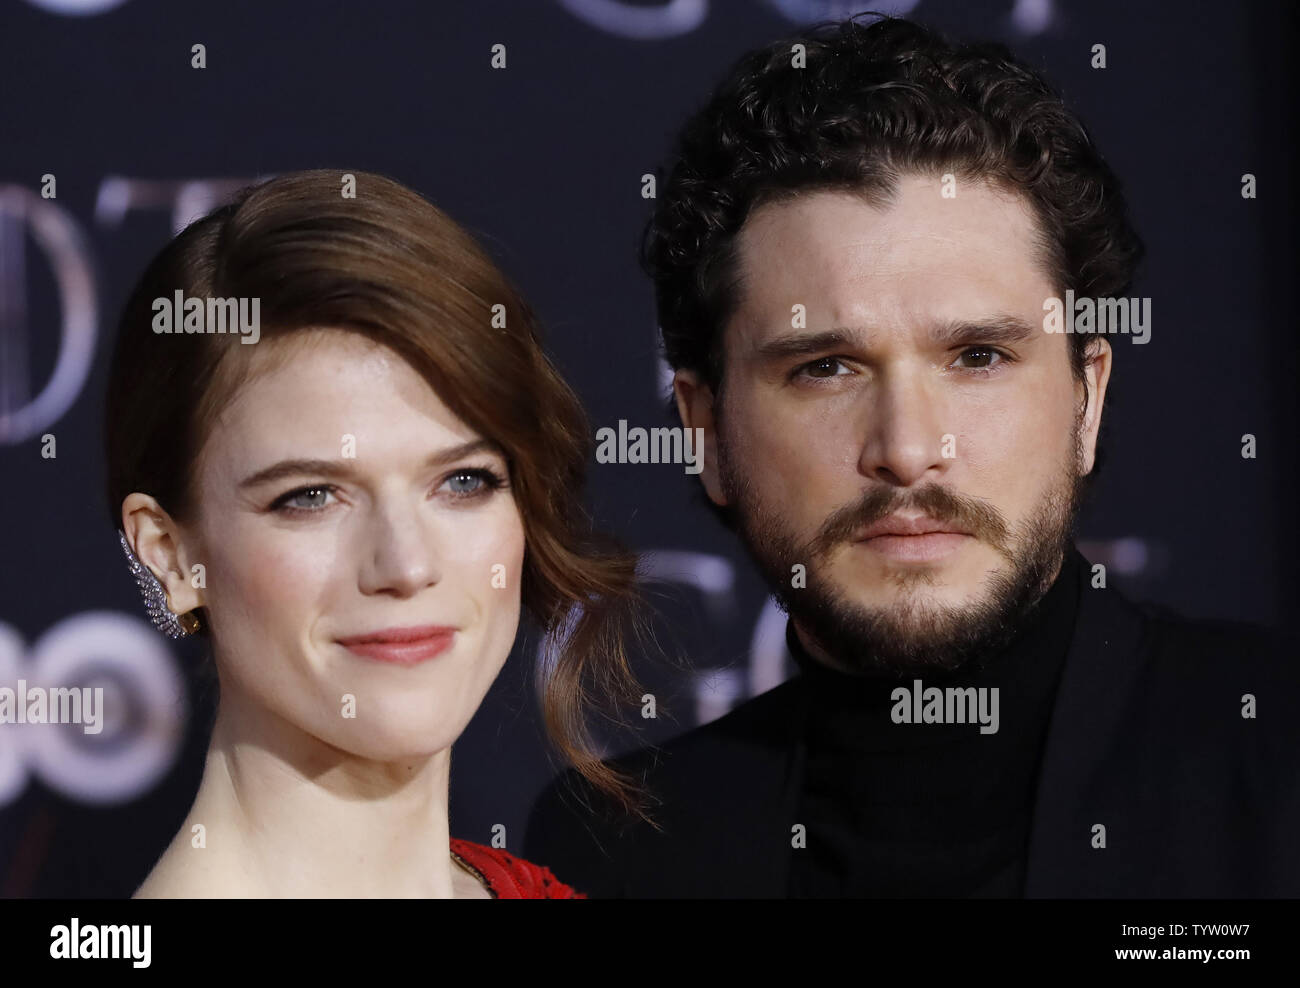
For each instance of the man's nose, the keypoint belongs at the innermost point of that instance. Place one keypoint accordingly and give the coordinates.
(904, 429)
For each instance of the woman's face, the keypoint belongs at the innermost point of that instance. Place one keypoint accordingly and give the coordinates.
(338, 497)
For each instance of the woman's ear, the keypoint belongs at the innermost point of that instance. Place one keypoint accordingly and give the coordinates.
(162, 547)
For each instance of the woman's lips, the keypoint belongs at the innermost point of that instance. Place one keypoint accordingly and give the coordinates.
(401, 646)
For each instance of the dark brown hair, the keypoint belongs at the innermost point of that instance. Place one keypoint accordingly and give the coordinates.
(391, 266)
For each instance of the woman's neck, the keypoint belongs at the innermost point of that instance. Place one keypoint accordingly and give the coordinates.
(281, 813)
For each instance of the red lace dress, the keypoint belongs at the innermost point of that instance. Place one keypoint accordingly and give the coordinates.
(509, 877)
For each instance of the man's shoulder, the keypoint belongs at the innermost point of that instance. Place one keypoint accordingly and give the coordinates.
(1147, 670)
(1169, 641)
(762, 720)
(689, 784)
(1177, 732)
(759, 727)
(1198, 648)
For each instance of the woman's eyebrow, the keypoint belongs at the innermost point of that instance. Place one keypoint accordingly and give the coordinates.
(342, 468)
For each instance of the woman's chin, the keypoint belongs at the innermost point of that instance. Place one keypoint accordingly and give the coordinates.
(393, 744)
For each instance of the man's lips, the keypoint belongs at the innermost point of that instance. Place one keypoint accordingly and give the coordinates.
(912, 540)
(403, 646)
(895, 525)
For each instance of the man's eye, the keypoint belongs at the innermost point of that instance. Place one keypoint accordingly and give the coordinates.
(825, 367)
(982, 357)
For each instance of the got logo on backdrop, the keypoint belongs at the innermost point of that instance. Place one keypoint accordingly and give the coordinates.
(28, 409)
(144, 713)
(60, 240)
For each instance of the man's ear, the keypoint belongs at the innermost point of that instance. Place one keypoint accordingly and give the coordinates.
(160, 545)
(695, 406)
(1096, 374)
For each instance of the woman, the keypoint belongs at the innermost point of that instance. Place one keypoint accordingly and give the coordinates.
(336, 448)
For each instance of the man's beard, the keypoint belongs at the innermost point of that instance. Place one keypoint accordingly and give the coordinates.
(912, 635)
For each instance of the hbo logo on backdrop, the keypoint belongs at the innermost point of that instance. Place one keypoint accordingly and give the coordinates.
(144, 712)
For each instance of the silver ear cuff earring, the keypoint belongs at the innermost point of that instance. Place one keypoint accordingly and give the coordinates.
(155, 599)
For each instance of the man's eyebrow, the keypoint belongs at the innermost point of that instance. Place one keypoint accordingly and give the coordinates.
(341, 468)
(994, 329)
(1004, 329)
(802, 344)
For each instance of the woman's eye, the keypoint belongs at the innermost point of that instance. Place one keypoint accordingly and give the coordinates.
(464, 482)
(982, 357)
(469, 483)
(825, 367)
(303, 499)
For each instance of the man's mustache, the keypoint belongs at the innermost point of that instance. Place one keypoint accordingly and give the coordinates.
(973, 515)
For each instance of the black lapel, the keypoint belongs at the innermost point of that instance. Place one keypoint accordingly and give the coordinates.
(1100, 675)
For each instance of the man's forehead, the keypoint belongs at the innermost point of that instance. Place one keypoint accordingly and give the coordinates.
(918, 261)
(830, 231)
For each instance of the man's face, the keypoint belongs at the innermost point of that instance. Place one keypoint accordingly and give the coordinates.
(890, 365)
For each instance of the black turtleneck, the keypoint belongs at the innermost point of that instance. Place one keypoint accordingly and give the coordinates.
(932, 809)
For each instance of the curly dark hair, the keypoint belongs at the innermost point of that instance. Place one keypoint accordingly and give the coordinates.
(872, 103)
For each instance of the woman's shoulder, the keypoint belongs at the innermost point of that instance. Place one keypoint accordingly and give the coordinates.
(511, 877)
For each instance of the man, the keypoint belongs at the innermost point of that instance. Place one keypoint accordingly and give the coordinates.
(856, 259)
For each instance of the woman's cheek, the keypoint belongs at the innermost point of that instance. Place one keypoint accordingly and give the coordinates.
(265, 575)
(508, 554)
(498, 563)
(494, 546)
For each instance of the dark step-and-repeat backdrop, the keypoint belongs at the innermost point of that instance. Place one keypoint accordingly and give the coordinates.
(113, 138)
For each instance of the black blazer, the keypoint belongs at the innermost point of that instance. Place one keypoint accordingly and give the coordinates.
(1147, 738)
